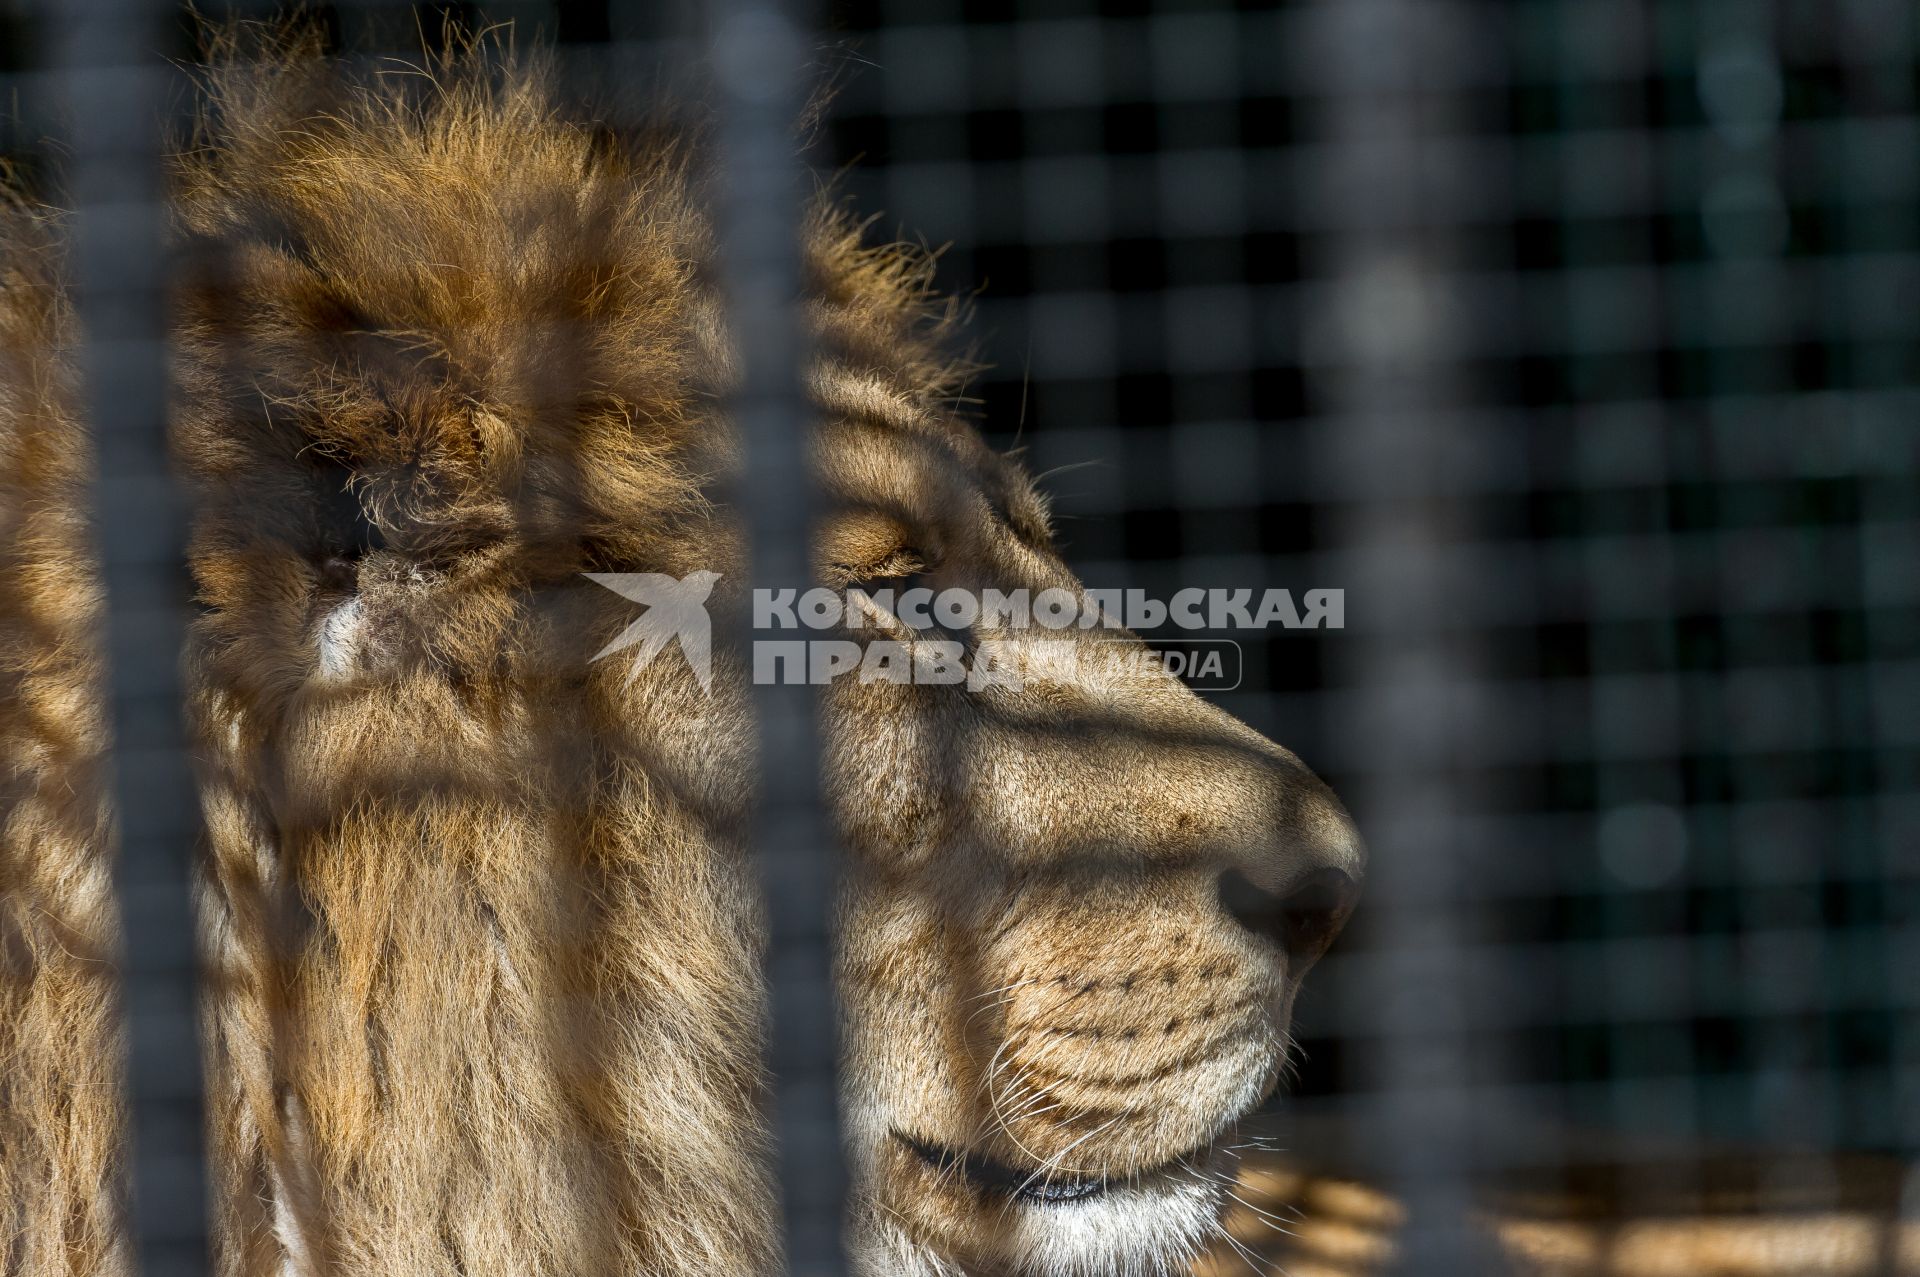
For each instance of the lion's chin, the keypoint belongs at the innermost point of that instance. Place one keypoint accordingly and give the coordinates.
(1144, 1227)
(1149, 1223)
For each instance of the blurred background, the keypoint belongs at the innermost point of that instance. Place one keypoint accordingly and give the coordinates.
(1576, 341)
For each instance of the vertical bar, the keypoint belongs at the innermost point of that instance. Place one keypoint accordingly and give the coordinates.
(1391, 384)
(1749, 293)
(109, 67)
(757, 55)
(1880, 44)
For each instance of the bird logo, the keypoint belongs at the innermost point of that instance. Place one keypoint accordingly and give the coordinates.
(675, 610)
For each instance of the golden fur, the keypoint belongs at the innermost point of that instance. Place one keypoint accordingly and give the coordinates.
(60, 1124)
(481, 944)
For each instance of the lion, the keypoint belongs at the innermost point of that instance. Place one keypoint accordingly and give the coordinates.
(480, 932)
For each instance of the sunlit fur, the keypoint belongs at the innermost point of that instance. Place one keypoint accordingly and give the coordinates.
(60, 1124)
(481, 941)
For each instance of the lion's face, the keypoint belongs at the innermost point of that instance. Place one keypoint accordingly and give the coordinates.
(1078, 908)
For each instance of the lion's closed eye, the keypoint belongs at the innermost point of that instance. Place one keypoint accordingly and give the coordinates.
(908, 608)
(870, 549)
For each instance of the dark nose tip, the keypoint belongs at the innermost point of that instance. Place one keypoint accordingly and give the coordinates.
(1302, 919)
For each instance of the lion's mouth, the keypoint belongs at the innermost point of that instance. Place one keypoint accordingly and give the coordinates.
(1039, 1186)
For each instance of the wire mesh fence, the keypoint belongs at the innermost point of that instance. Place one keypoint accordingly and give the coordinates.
(1574, 340)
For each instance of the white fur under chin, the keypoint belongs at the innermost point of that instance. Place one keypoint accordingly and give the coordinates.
(1152, 1229)
(339, 641)
(1128, 1231)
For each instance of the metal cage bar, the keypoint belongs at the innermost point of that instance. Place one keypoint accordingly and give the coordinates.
(1391, 373)
(109, 69)
(757, 56)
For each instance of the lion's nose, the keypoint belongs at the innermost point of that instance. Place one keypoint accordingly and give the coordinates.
(1300, 893)
(1302, 919)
